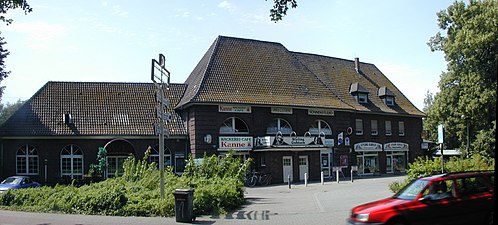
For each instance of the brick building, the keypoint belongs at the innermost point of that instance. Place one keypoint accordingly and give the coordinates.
(293, 113)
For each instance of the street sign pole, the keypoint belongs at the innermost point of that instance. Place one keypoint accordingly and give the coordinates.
(440, 140)
(161, 77)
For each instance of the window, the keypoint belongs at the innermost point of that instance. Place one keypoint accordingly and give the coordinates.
(374, 130)
(388, 128)
(389, 100)
(279, 125)
(319, 127)
(27, 160)
(234, 125)
(154, 156)
(362, 98)
(115, 165)
(401, 126)
(359, 127)
(72, 162)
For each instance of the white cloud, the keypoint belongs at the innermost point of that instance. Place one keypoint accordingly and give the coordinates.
(39, 31)
(118, 11)
(226, 5)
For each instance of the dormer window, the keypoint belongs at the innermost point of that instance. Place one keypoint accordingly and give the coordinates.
(362, 98)
(359, 92)
(386, 95)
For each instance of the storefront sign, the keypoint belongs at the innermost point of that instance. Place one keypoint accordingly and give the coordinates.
(234, 108)
(281, 110)
(236, 143)
(368, 146)
(321, 112)
(292, 141)
(396, 146)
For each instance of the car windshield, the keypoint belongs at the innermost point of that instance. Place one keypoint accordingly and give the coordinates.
(411, 191)
(12, 180)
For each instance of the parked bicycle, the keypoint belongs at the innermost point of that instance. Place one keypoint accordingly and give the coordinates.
(256, 178)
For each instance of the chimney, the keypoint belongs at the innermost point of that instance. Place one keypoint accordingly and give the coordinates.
(357, 64)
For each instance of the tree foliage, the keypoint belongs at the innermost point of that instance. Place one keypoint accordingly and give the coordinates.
(466, 103)
(8, 109)
(13, 4)
(4, 73)
(280, 9)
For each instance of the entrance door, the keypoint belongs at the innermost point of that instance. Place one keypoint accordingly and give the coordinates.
(287, 167)
(303, 166)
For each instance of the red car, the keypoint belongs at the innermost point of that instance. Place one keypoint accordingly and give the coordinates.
(450, 198)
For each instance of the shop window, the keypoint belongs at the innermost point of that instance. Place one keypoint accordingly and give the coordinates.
(359, 127)
(319, 127)
(374, 130)
(154, 156)
(401, 128)
(388, 128)
(234, 125)
(27, 160)
(72, 162)
(279, 125)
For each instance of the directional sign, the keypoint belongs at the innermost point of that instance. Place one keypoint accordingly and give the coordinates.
(161, 99)
(160, 129)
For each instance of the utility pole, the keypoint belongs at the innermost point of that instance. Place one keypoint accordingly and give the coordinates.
(161, 77)
(440, 140)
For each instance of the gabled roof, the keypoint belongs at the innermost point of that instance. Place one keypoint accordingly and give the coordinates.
(243, 71)
(96, 108)
(338, 75)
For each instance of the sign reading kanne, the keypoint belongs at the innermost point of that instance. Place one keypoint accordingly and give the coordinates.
(236, 143)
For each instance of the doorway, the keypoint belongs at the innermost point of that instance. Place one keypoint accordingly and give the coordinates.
(287, 168)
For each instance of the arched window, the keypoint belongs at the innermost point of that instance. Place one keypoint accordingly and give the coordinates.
(27, 160)
(72, 162)
(154, 156)
(320, 126)
(234, 125)
(279, 125)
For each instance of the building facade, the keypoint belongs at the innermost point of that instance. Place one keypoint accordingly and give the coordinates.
(292, 113)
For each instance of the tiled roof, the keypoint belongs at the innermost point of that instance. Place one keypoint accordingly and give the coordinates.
(339, 74)
(244, 71)
(96, 108)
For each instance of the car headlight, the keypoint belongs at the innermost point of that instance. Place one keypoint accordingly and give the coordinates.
(362, 217)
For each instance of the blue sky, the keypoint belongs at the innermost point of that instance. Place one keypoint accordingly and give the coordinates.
(115, 40)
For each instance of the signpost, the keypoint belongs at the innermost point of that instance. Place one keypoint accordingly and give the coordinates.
(440, 141)
(161, 77)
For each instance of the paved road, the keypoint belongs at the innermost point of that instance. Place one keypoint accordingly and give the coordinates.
(315, 204)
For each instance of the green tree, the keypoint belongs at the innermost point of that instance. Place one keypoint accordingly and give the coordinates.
(4, 73)
(466, 103)
(8, 109)
(280, 9)
(13, 4)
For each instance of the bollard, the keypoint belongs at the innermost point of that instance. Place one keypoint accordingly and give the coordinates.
(321, 177)
(351, 175)
(337, 175)
(288, 181)
(306, 179)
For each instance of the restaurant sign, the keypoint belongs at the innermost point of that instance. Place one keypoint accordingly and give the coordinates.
(236, 143)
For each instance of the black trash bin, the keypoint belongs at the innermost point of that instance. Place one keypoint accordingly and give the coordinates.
(184, 205)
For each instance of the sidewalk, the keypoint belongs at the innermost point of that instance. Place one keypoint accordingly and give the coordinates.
(316, 204)
(329, 203)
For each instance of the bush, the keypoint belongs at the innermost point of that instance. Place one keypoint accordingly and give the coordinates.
(218, 186)
(424, 166)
